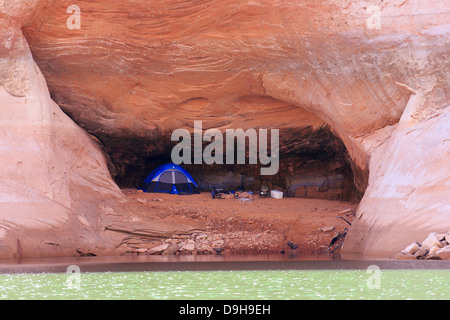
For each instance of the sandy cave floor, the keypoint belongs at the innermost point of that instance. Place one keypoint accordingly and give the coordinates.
(260, 226)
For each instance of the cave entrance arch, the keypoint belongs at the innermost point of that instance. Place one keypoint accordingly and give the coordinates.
(314, 162)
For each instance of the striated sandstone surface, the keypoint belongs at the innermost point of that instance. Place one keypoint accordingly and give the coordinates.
(136, 70)
(54, 179)
(408, 188)
(132, 74)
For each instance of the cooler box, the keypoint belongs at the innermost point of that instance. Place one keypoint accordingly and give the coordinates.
(276, 194)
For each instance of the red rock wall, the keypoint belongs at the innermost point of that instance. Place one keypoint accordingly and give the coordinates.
(54, 181)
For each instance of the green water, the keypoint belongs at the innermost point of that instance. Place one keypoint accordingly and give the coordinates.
(287, 284)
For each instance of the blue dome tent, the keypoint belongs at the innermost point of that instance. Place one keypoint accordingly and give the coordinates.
(170, 178)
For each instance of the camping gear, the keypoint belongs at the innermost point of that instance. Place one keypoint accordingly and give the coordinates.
(221, 195)
(264, 191)
(170, 178)
(245, 194)
(276, 194)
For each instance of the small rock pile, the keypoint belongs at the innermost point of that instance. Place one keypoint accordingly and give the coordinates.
(435, 246)
(212, 243)
(198, 243)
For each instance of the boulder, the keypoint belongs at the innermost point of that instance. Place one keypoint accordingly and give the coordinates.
(159, 249)
(327, 229)
(171, 249)
(204, 248)
(187, 247)
(412, 248)
(431, 240)
(201, 236)
(421, 253)
(447, 237)
(433, 250)
(443, 253)
(440, 236)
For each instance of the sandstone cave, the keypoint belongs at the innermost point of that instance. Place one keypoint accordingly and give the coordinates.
(362, 111)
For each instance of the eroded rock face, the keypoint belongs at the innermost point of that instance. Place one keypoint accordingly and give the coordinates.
(408, 187)
(136, 70)
(131, 75)
(54, 181)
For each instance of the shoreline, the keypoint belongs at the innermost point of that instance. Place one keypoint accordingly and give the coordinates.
(211, 263)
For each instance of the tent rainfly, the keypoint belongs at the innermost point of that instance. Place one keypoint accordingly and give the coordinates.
(170, 178)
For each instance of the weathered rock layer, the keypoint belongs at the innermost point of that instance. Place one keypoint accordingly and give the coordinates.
(54, 181)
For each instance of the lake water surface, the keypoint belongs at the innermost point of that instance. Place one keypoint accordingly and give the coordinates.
(209, 278)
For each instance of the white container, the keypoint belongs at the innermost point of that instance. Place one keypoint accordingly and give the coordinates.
(276, 194)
